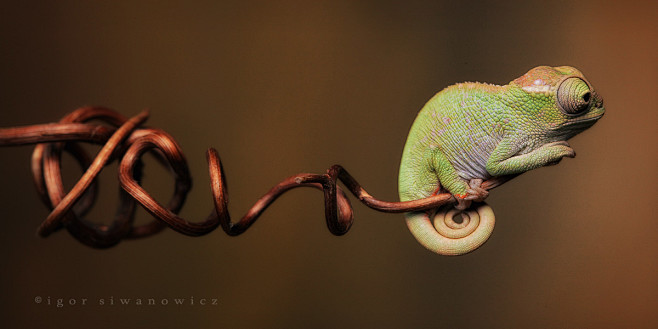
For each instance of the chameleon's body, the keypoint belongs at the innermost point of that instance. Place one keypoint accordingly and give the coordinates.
(471, 132)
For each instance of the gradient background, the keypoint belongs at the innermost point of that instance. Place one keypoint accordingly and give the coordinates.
(286, 87)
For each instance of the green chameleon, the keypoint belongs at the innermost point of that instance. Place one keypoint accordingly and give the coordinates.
(474, 132)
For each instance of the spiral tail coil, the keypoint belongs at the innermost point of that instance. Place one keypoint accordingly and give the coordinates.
(126, 140)
(444, 235)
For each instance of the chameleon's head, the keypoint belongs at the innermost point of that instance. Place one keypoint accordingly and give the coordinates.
(563, 102)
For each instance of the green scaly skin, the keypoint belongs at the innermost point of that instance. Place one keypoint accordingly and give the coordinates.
(471, 132)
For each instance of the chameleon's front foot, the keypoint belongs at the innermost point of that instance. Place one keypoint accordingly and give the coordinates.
(564, 148)
(445, 233)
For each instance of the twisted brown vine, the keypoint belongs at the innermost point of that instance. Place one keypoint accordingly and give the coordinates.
(126, 140)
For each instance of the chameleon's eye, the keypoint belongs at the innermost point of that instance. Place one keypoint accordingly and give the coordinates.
(573, 96)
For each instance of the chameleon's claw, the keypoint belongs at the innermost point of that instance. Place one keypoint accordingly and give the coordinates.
(476, 192)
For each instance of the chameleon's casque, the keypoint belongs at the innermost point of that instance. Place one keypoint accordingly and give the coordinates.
(471, 132)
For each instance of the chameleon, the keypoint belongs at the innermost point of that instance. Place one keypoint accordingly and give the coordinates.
(473, 132)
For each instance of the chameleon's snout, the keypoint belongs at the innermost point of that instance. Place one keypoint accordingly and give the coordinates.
(598, 110)
(597, 101)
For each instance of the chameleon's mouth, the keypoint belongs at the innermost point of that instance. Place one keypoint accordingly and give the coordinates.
(586, 120)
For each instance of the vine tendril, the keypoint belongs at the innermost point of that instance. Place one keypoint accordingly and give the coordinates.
(126, 140)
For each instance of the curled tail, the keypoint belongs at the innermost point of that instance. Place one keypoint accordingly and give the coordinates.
(444, 234)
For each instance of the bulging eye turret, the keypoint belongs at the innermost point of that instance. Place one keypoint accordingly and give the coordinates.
(574, 96)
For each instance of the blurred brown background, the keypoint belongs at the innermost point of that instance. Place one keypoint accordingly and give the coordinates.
(286, 87)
